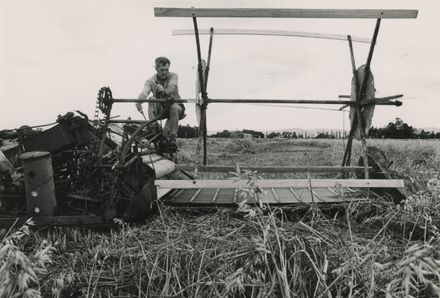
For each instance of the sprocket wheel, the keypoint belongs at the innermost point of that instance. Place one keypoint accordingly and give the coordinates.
(105, 100)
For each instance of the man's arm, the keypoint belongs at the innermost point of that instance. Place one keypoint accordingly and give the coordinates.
(144, 95)
(172, 89)
(147, 89)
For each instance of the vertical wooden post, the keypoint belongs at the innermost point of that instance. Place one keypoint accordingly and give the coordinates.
(353, 62)
(211, 35)
(358, 109)
(202, 87)
(203, 106)
(205, 102)
(347, 153)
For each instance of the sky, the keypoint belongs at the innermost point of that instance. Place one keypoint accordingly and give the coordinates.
(55, 56)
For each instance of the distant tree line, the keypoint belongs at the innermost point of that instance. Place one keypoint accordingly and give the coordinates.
(238, 134)
(401, 130)
(394, 130)
(187, 131)
(284, 135)
(325, 135)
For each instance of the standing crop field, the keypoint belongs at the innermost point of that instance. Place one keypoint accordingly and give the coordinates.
(373, 249)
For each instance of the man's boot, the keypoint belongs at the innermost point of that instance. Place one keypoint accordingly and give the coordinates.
(172, 145)
(163, 144)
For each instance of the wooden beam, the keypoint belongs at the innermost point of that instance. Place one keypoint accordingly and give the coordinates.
(271, 169)
(297, 183)
(285, 13)
(271, 33)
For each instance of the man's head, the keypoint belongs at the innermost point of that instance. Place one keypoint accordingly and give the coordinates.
(162, 65)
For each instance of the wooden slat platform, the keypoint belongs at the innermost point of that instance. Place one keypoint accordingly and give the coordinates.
(274, 196)
(276, 192)
(285, 13)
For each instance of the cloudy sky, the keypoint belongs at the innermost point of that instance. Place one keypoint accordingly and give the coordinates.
(55, 55)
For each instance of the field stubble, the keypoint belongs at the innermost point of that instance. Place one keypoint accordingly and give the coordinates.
(370, 249)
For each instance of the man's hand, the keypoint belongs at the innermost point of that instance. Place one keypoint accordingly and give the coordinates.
(159, 89)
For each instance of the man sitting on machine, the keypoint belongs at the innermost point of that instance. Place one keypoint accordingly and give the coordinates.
(164, 85)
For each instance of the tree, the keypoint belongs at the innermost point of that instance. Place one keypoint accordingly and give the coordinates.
(224, 134)
(376, 133)
(286, 135)
(187, 131)
(394, 130)
(324, 135)
(424, 134)
(254, 133)
(273, 134)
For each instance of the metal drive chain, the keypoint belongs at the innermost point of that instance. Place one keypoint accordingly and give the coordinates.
(96, 116)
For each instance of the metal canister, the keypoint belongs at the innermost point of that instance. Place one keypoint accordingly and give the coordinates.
(39, 185)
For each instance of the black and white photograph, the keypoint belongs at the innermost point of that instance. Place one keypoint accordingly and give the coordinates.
(190, 148)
